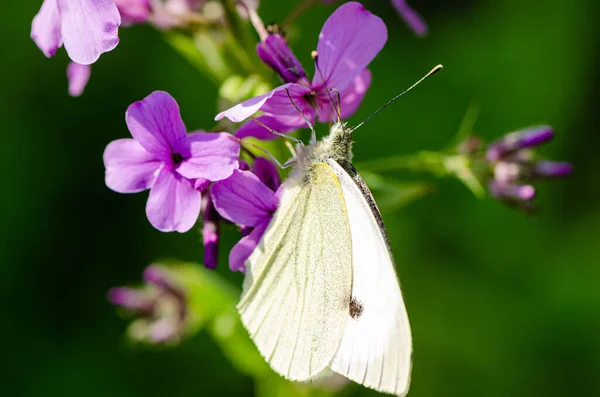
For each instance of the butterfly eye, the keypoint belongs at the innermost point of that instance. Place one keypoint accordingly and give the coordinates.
(356, 308)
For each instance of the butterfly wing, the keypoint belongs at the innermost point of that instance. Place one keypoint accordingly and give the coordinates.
(299, 278)
(376, 349)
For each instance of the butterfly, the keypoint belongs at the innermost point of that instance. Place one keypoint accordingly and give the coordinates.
(321, 292)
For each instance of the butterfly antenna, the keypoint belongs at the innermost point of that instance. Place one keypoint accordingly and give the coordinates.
(431, 73)
(338, 108)
(313, 133)
(279, 134)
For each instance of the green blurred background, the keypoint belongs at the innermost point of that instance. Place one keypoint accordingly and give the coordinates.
(500, 303)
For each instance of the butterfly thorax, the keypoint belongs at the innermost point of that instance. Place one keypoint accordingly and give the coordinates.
(336, 146)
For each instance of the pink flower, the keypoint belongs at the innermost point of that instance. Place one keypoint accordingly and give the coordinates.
(349, 40)
(164, 158)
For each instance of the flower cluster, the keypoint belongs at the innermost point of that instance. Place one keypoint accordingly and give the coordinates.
(514, 165)
(187, 172)
(213, 177)
(159, 307)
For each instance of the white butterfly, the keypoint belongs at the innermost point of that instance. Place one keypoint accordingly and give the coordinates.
(321, 292)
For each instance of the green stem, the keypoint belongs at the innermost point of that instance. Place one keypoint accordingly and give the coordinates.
(438, 164)
(423, 162)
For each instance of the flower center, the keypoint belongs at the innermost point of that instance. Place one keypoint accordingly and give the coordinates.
(177, 158)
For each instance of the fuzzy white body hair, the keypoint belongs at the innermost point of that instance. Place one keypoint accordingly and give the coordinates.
(336, 146)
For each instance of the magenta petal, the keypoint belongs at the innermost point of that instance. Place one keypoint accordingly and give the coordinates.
(78, 76)
(267, 172)
(244, 248)
(252, 128)
(351, 97)
(213, 156)
(277, 96)
(89, 28)
(173, 203)
(155, 122)
(411, 17)
(349, 40)
(129, 167)
(45, 28)
(243, 199)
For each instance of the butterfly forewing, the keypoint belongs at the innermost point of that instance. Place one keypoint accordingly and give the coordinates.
(376, 348)
(299, 278)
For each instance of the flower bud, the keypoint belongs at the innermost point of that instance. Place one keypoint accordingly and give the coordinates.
(275, 52)
(551, 169)
(519, 140)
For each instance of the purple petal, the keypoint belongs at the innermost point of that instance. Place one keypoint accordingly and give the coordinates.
(89, 28)
(78, 76)
(155, 122)
(279, 124)
(129, 167)
(133, 11)
(244, 248)
(411, 17)
(276, 99)
(275, 52)
(351, 98)
(45, 28)
(173, 203)
(243, 199)
(349, 40)
(213, 156)
(267, 172)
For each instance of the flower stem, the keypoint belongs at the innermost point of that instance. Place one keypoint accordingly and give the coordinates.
(438, 164)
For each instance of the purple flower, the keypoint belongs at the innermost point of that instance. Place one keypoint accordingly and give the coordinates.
(411, 17)
(248, 199)
(514, 165)
(164, 158)
(160, 306)
(86, 28)
(349, 40)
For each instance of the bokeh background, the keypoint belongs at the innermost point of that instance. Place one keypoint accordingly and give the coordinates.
(500, 303)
